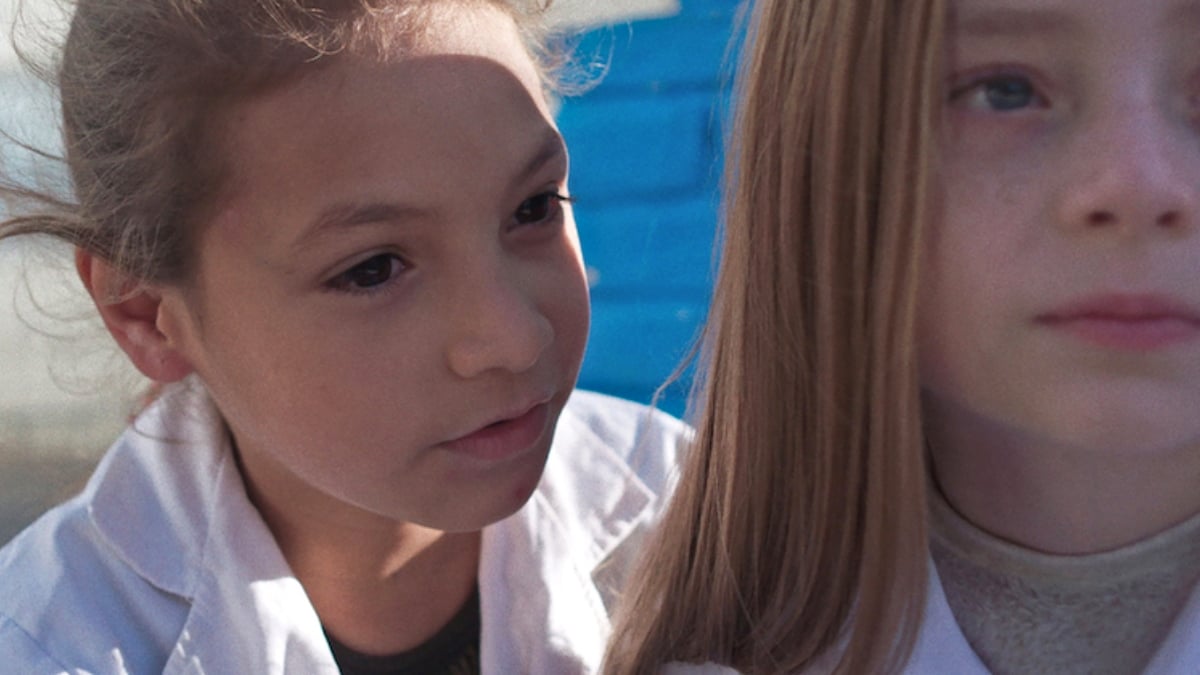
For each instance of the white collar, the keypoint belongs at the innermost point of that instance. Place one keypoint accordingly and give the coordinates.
(543, 572)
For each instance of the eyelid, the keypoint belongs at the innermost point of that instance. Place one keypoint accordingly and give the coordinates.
(561, 197)
(333, 283)
(553, 193)
(964, 77)
(962, 84)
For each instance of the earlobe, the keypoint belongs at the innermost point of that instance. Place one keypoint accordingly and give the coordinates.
(131, 311)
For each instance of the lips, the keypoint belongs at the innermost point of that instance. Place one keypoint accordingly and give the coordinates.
(509, 435)
(1131, 322)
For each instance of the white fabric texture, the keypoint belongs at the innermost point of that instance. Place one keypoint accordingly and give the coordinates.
(163, 565)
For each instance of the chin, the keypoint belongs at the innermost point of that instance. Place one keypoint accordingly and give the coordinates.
(483, 518)
(1139, 421)
(1125, 435)
(501, 500)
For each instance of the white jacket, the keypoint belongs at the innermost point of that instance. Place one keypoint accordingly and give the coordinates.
(941, 648)
(163, 565)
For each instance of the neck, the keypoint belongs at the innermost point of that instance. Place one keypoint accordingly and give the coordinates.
(379, 586)
(1057, 498)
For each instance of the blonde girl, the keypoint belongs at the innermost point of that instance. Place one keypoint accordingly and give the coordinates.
(952, 372)
(338, 233)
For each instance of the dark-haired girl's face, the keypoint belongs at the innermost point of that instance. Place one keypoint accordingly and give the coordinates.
(391, 309)
(1061, 305)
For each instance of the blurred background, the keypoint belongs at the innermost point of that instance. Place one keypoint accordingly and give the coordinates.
(645, 142)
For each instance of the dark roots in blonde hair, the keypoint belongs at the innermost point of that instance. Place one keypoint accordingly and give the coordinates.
(141, 82)
(797, 533)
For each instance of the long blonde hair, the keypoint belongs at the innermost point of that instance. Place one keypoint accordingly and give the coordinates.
(798, 529)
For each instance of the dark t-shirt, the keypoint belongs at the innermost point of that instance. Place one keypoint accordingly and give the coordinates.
(454, 650)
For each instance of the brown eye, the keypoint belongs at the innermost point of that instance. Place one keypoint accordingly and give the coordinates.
(540, 208)
(369, 274)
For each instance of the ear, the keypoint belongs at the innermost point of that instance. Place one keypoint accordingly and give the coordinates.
(131, 311)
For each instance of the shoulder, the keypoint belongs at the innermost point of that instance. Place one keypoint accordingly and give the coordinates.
(65, 598)
(22, 653)
(104, 575)
(33, 575)
(46, 557)
(647, 440)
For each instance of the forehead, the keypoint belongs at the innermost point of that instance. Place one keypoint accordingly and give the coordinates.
(1017, 17)
(468, 67)
(457, 111)
(464, 27)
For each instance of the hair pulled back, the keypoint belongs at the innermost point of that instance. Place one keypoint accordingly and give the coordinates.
(142, 81)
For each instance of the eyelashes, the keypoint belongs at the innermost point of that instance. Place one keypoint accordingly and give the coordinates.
(369, 275)
(382, 271)
(1000, 92)
(541, 208)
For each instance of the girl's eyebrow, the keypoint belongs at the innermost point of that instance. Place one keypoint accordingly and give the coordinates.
(1186, 13)
(550, 148)
(1007, 22)
(350, 214)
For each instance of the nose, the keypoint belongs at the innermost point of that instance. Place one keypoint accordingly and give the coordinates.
(496, 326)
(1136, 171)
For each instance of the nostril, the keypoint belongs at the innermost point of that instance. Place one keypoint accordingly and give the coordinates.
(1169, 219)
(1101, 218)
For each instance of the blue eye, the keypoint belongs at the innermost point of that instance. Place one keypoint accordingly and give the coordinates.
(540, 208)
(369, 274)
(1008, 93)
(1001, 93)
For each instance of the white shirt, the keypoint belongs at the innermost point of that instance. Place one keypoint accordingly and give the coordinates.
(941, 648)
(163, 565)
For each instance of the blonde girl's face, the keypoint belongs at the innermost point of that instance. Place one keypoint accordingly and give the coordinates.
(1061, 297)
(391, 309)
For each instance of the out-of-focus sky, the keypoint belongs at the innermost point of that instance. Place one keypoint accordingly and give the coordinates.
(575, 13)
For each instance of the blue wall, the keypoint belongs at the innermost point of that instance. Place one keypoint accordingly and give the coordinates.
(646, 165)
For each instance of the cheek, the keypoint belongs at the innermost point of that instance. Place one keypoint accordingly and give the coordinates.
(968, 312)
(933, 338)
(573, 313)
(567, 297)
(265, 365)
(948, 298)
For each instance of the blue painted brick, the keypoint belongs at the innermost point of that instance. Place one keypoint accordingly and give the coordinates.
(645, 146)
(659, 248)
(633, 350)
(659, 55)
(631, 149)
(726, 8)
